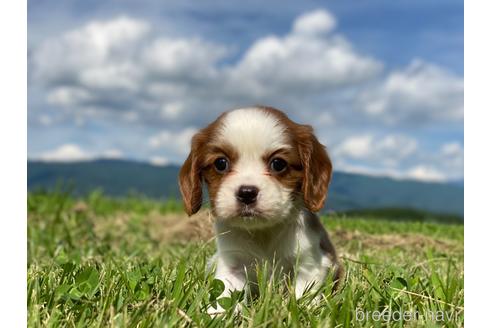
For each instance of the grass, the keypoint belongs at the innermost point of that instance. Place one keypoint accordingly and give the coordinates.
(99, 261)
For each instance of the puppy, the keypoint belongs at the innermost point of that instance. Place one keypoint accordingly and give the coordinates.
(266, 177)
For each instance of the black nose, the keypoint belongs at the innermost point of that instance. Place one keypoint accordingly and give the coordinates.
(247, 194)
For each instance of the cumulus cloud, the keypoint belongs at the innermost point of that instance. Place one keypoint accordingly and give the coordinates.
(355, 147)
(68, 96)
(66, 153)
(421, 93)
(182, 59)
(122, 72)
(444, 163)
(308, 60)
(316, 22)
(387, 149)
(119, 67)
(178, 142)
(452, 149)
(70, 152)
(172, 111)
(399, 156)
(119, 70)
(424, 173)
(159, 160)
(91, 55)
(45, 120)
(451, 160)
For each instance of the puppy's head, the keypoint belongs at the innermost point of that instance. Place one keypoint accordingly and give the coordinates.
(259, 166)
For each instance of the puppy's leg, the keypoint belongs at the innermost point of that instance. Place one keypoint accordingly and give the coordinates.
(312, 274)
(233, 279)
(309, 277)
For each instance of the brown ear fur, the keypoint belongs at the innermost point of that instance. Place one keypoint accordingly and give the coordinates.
(190, 180)
(190, 175)
(316, 166)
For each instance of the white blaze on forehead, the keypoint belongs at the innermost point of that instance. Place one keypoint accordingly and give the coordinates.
(253, 131)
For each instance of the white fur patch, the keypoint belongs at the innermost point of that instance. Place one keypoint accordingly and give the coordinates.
(253, 131)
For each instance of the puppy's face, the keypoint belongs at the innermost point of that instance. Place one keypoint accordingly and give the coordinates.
(258, 165)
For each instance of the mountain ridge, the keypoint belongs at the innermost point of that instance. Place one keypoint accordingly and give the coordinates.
(348, 191)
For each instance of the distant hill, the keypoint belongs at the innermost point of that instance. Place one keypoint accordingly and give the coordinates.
(347, 192)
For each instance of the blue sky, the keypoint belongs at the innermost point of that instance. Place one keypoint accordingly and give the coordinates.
(380, 81)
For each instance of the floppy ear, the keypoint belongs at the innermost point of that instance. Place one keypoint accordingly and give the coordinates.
(317, 169)
(190, 181)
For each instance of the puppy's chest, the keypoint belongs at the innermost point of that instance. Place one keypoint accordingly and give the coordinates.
(283, 248)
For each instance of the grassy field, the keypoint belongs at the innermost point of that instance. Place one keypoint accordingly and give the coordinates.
(134, 262)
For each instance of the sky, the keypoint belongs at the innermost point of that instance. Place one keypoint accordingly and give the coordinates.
(380, 81)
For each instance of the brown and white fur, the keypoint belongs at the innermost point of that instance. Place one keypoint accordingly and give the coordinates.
(276, 223)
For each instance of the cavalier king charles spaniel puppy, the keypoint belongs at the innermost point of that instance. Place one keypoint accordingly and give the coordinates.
(266, 177)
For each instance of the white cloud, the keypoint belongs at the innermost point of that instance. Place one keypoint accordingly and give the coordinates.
(118, 66)
(159, 161)
(68, 96)
(121, 76)
(66, 153)
(120, 69)
(425, 173)
(355, 147)
(420, 172)
(369, 147)
(400, 157)
(72, 152)
(182, 58)
(74, 56)
(91, 71)
(421, 93)
(451, 158)
(177, 142)
(397, 156)
(45, 120)
(304, 61)
(171, 111)
(452, 149)
(315, 22)
(121, 72)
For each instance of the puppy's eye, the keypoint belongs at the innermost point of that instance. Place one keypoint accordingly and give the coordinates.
(221, 164)
(278, 165)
